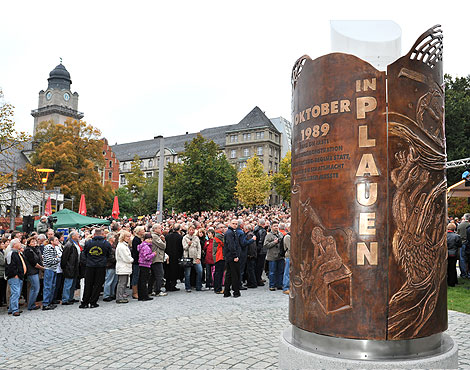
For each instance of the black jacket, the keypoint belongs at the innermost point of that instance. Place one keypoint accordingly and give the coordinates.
(454, 242)
(231, 245)
(32, 257)
(97, 251)
(260, 233)
(252, 247)
(134, 252)
(174, 246)
(69, 262)
(15, 267)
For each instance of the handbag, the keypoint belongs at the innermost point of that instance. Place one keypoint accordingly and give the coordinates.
(185, 262)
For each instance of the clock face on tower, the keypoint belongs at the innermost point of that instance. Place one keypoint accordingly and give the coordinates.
(66, 97)
(48, 95)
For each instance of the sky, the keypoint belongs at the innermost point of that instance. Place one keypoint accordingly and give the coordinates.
(148, 68)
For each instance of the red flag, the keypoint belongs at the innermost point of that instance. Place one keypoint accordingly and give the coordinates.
(48, 208)
(82, 209)
(115, 213)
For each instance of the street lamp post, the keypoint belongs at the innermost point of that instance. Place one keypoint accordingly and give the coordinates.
(44, 174)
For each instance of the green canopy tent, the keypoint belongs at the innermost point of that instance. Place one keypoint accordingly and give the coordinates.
(67, 218)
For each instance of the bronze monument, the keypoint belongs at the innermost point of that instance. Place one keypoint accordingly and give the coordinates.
(368, 254)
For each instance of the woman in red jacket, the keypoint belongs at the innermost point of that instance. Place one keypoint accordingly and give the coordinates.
(209, 259)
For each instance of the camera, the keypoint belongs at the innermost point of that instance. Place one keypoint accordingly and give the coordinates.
(51, 220)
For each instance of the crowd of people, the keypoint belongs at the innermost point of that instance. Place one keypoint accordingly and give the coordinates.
(458, 248)
(225, 251)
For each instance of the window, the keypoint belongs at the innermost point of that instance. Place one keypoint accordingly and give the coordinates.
(270, 135)
(110, 164)
(270, 165)
(246, 137)
(150, 162)
(242, 165)
(110, 175)
(142, 165)
(259, 150)
(276, 138)
(104, 152)
(260, 135)
(275, 167)
(270, 150)
(233, 138)
(149, 174)
(123, 179)
(233, 153)
(246, 152)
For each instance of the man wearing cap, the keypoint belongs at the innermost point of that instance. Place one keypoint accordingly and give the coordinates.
(42, 227)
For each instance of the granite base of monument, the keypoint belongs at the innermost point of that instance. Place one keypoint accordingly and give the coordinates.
(299, 349)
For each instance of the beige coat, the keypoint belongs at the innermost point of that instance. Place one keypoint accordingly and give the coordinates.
(194, 250)
(158, 246)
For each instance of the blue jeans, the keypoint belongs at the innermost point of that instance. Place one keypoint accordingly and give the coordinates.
(187, 275)
(110, 282)
(49, 287)
(286, 281)
(33, 290)
(15, 286)
(135, 275)
(462, 263)
(69, 290)
(276, 272)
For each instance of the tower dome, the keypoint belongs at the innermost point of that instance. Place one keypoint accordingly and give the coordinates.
(59, 78)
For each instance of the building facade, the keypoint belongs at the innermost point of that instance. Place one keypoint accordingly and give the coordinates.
(110, 172)
(255, 134)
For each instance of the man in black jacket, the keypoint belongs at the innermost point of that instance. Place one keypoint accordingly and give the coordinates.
(15, 270)
(174, 249)
(454, 243)
(232, 255)
(70, 264)
(260, 232)
(97, 251)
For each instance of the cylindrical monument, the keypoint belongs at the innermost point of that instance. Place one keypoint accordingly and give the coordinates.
(368, 251)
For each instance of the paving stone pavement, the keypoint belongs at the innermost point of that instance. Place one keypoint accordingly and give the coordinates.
(182, 330)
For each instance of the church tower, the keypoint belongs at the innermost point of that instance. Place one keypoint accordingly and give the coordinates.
(57, 103)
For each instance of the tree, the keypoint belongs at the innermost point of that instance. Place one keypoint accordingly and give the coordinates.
(11, 142)
(136, 178)
(205, 180)
(149, 196)
(74, 151)
(253, 185)
(281, 180)
(126, 203)
(457, 119)
(457, 207)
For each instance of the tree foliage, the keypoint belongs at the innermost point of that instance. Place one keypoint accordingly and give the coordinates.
(457, 118)
(148, 197)
(253, 184)
(11, 142)
(74, 151)
(205, 180)
(457, 207)
(281, 180)
(136, 178)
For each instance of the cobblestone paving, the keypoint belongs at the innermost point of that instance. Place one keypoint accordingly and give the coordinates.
(182, 330)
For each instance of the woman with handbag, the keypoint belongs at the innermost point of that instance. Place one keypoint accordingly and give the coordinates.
(192, 250)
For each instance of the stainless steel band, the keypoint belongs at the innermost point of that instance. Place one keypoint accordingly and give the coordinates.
(361, 349)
